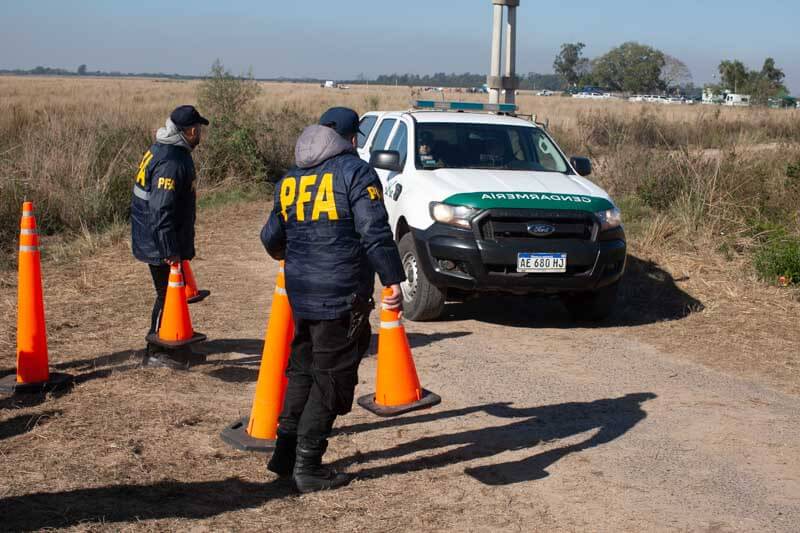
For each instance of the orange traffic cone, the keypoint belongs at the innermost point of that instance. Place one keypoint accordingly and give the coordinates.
(397, 388)
(176, 325)
(192, 294)
(259, 431)
(33, 372)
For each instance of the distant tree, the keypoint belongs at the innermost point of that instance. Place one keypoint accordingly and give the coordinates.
(631, 67)
(584, 69)
(768, 83)
(82, 70)
(733, 76)
(568, 61)
(760, 85)
(675, 74)
(772, 73)
(224, 95)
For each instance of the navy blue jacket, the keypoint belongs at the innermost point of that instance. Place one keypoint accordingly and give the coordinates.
(163, 205)
(330, 225)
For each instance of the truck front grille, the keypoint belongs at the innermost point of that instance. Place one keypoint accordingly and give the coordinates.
(499, 225)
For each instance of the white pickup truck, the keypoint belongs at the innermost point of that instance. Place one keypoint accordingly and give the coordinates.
(481, 200)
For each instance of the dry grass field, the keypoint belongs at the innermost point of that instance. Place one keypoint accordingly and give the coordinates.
(709, 193)
(678, 414)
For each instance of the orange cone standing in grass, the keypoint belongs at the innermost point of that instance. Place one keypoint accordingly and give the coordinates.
(176, 324)
(33, 372)
(192, 294)
(259, 431)
(397, 387)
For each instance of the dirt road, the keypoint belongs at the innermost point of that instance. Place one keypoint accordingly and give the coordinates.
(544, 426)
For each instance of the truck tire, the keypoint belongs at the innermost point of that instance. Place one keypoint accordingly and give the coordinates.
(422, 300)
(592, 306)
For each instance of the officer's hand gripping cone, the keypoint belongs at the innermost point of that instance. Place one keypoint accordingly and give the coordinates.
(176, 328)
(193, 295)
(259, 431)
(33, 371)
(397, 387)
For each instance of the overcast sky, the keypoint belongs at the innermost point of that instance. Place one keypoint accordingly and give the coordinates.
(340, 39)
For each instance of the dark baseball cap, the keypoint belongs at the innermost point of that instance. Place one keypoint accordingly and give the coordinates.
(342, 119)
(186, 115)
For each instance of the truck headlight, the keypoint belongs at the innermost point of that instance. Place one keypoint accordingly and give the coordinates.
(609, 219)
(453, 215)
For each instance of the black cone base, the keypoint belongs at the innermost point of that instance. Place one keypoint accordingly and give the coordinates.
(153, 338)
(236, 435)
(56, 381)
(429, 399)
(199, 297)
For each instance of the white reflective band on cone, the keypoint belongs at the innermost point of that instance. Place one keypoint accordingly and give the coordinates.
(281, 291)
(177, 284)
(28, 248)
(28, 232)
(27, 213)
(280, 270)
(391, 325)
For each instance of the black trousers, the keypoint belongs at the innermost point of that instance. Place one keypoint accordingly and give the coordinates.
(160, 274)
(323, 373)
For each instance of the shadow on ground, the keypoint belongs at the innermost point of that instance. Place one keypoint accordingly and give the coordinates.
(240, 346)
(132, 503)
(648, 294)
(609, 418)
(101, 361)
(24, 423)
(245, 369)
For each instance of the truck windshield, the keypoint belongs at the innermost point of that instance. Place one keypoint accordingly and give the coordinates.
(486, 146)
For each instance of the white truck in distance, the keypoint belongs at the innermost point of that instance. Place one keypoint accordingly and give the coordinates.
(480, 200)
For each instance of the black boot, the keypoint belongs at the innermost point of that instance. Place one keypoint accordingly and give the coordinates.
(282, 460)
(309, 473)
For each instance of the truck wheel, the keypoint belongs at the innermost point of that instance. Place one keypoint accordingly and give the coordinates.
(592, 306)
(421, 300)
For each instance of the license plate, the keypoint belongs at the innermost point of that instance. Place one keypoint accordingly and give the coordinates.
(542, 263)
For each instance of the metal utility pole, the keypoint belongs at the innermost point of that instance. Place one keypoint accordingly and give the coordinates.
(508, 81)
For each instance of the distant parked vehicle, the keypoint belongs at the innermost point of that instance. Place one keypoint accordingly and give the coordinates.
(782, 102)
(710, 97)
(737, 100)
(544, 93)
(592, 95)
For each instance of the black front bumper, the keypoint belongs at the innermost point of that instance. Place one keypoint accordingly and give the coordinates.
(490, 265)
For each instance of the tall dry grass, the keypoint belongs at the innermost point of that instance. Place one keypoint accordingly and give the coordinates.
(686, 172)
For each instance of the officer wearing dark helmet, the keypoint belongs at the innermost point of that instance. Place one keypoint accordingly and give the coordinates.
(331, 227)
(163, 211)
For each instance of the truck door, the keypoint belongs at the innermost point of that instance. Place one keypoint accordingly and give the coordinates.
(380, 141)
(365, 128)
(393, 188)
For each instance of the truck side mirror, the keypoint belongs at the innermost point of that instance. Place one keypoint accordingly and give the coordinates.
(582, 165)
(386, 160)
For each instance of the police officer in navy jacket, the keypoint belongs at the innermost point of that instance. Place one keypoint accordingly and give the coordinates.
(330, 225)
(163, 210)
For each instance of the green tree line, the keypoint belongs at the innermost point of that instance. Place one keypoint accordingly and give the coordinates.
(637, 68)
